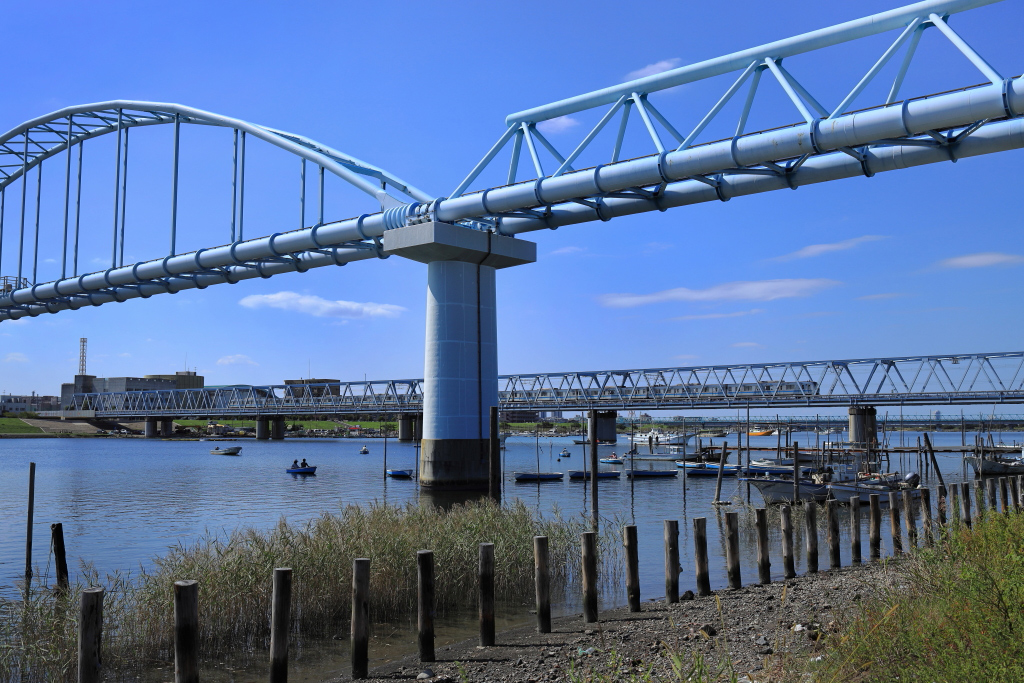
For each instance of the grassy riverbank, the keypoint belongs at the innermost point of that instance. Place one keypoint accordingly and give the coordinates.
(12, 425)
(38, 636)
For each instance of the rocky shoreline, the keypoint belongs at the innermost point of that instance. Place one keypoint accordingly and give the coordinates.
(759, 629)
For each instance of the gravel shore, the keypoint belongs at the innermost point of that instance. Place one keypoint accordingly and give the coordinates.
(757, 628)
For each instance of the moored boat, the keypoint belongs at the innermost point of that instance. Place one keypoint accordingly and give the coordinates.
(230, 450)
(400, 474)
(538, 476)
(707, 469)
(611, 461)
(301, 470)
(565, 453)
(996, 465)
(650, 474)
(364, 451)
(580, 474)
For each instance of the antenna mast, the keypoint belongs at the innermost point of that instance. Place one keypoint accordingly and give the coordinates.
(82, 343)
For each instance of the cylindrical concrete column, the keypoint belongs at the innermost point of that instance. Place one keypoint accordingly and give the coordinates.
(460, 374)
(151, 428)
(277, 428)
(405, 428)
(262, 429)
(166, 427)
(863, 424)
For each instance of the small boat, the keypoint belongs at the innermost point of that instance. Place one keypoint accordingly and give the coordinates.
(230, 450)
(538, 476)
(580, 474)
(400, 474)
(996, 465)
(611, 460)
(763, 432)
(651, 474)
(707, 469)
(775, 490)
(364, 451)
(301, 470)
(565, 453)
(774, 466)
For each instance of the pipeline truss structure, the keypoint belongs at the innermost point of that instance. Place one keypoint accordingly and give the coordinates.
(984, 378)
(825, 144)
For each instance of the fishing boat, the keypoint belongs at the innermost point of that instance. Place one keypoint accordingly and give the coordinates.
(882, 485)
(612, 460)
(776, 490)
(565, 453)
(537, 476)
(364, 451)
(762, 432)
(659, 438)
(707, 469)
(400, 474)
(774, 466)
(580, 474)
(996, 464)
(301, 470)
(650, 474)
(230, 450)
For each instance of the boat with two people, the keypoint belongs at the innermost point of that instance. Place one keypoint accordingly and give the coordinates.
(230, 450)
(301, 468)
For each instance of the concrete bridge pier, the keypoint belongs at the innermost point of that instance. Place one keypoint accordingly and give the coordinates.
(605, 427)
(461, 352)
(277, 428)
(262, 429)
(863, 424)
(406, 428)
(166, 427)
(151, 428)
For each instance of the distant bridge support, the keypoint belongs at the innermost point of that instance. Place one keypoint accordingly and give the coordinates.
(406, 427)
(151, 428)
(863, 424)
(262, 429)
(166, 427)
(461, 351)
(277, 428)
(603, 428)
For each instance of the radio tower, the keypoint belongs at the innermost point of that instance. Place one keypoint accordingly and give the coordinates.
(82, 343)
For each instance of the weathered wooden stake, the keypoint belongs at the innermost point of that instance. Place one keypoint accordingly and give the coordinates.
(796, 473)
(811, 535)
(834, 558)
(1018, 488)
(700, 555)
(788, 565)
(732, 549)
(721, 471)
(360, 630)
(186, 632)
(486, 575)
(280, 623)
(926, 516)
(590, 576)
(1015, 493)
(60, 558)
(874, 527)
(90, 636)
(965, 503)
(594, 515)
(993, 502)
(632, 567)
(908, 511)
(935, 463)
(28, 528)
(671, 561)
(855, 529)
(894, 523)
(494, 459)
(979, 500)
(1004, 494)
(942, 505)
(542, 583)
(764, 565)
(425, 604)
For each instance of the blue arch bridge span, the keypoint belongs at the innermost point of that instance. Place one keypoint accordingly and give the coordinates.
(523, 184)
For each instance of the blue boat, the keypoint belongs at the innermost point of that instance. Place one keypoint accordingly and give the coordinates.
(538, 476)
(580, 474)
(301, 470)
(611, 461)
(651, 474)
(400, 474)
(707, 469)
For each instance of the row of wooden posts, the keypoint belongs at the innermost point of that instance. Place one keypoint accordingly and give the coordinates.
(954, 506)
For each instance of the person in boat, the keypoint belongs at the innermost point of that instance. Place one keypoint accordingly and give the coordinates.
(303, 463)
(295, 464)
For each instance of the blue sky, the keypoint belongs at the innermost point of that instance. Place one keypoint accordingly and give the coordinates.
(921, 261)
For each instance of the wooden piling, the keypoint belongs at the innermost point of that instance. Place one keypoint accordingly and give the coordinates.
(28, 527)
(855, 530)
(280, 623)
(908, 512)
(811, 535)
(796, 473)
(486, 576)
(594, 515)
(834, 558)
(700, 555)
(953, 505)
(788, 565)
(732, 549)
(590, 576)
(979, 500)
(894, 523)
(425, 604)
(993, 502)
(935, 463)
(942, 505)
(632, 567)
(1004, 494)
(60, 558)
(1015, 493)
(764, 565)
(90, 636)
(360, 629)
(1018, 488)
(874, 527)
(671, 561)
(542, 583)
(494, 458)
(926, 516)
(721, 470)
(186, 632)
(965, 503)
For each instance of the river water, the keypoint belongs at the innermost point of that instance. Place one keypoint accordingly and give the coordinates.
(125, 501)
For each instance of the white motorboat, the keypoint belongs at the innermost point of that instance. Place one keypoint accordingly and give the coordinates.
(230, 450)
(996, 464)
(657, 437)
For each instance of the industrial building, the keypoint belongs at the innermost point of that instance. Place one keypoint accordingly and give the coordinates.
(89, 384)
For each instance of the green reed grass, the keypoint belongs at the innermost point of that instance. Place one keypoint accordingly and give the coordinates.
(38, 634)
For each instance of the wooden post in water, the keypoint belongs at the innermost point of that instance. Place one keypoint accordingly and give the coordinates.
(990, 486)
(186, 632)
(60, 557)
(979, 499)
(965, 503)
(700, 555)
(28, 527)
(811, 535)
(926, 516)
(942, 505)
(590, 576)
(796, 473)
(732, 549)
(280, 623)
(486, 576)
(953, 505)
(935, 463)
(855, 529)
(764, 565)
(908, 511)
(494, 458)
(1015, 492)
(874, 527)
(721, 470)
(594, 517)
(90, 636)
(542, 583)
(834, 558)
(360, 630)
(788, 566)
(632, 567)
(671, 561)
(425, 604)
(894, 523)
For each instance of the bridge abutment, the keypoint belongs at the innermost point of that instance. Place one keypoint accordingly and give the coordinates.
(460, 380)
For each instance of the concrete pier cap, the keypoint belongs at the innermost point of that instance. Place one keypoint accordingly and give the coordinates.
(461, 351)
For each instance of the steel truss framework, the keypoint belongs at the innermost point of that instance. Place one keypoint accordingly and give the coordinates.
(828, 143)
(965, 379)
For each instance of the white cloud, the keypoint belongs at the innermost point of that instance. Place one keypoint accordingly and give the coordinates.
(320, 307)
(558, 125)
(879, 297)
(745, 345)
(716, 316)
(567, 250)
(762, 290)
(982, 260)
(813, 250)
(16, 358)
(237, 359)
(656, 68)
(49, 260)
